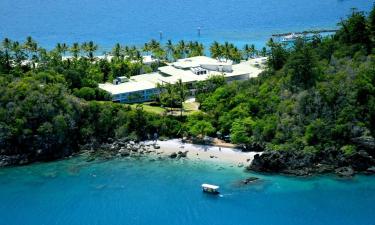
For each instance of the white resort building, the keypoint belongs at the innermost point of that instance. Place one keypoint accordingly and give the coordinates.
(142, 88)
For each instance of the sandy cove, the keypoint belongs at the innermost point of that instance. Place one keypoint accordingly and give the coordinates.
(205, 152)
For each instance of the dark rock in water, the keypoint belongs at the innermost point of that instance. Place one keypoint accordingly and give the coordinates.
(249, 180)
(182, 154)
(345, 171)
(173, 155)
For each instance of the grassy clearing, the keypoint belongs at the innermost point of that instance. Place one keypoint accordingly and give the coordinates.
(189, 107)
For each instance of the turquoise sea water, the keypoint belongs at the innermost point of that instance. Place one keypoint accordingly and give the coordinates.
(135, 22)
(168, 192)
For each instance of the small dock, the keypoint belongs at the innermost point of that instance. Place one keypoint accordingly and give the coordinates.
(307, 32)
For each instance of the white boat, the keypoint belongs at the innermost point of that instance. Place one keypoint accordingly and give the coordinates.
(209, 188)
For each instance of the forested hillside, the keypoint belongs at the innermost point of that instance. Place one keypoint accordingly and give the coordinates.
(316, 100)
(315, 96)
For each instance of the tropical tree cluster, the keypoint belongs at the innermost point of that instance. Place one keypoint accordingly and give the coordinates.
(314, 95)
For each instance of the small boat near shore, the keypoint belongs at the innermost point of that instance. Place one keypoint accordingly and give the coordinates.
(211, 189)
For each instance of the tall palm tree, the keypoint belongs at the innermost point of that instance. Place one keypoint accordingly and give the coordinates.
(64, 48)
(43, 57)
(196, 49)
(253, 50)
(200, 49)
(19, 54)
(58, 48)
(32, 48)
(227, 48)
(181, 94)
(246, 51)
(116, 51)
(146, 49)
(75, 50)
(169, 49)
(7, 46)
(154, 44)
(29, 45)
(89, 48)
(182, 48)
(216, 50)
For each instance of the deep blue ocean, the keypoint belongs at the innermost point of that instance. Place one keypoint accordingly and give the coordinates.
(141, 192)
(136, 21)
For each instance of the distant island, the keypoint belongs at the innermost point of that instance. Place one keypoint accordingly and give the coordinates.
(304, 107)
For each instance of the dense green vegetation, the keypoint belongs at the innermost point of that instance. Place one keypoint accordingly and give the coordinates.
(314, 95)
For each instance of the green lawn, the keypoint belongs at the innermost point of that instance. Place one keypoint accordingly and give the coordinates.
(148, 108)
(189, 107)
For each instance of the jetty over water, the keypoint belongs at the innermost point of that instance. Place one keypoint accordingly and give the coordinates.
(307, 32)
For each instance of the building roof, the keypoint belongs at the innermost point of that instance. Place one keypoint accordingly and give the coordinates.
(134, 84)
(171, 74)
(197, 61)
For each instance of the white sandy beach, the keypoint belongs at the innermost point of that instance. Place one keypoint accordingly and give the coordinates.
(206, 152)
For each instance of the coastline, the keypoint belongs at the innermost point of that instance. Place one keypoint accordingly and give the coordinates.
(208, 153)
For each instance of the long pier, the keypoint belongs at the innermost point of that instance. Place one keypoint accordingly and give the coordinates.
(306, 32)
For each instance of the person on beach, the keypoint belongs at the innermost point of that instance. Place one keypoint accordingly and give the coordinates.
(155, 137)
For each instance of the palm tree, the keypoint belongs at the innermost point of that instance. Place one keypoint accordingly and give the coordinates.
(176, 54)
(43, 56)
(64, 48)
(227, 48)
(235, 54)
(196, 49)
(19, 54)
(75, 50)
(154, 44)
(182, 48)
(146, 48)
(181, 94)
(216, 50)
(246, 51)
(29, 45)
(169, 49)
(89, 48)
(116, 51)
(253, 50)
(200, 49)
(32, 48)
(133, 53)
(7, 45)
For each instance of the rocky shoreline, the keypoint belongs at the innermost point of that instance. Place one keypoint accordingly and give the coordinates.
(301, 164)
(123, 148)
(294, 163)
